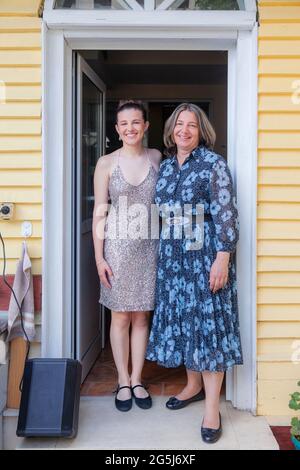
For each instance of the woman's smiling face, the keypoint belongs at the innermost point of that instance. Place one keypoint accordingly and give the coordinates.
(186, 134)
(131, 126)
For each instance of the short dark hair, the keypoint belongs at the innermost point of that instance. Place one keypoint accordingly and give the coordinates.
(132, 104)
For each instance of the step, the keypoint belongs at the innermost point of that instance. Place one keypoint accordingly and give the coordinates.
(101, 426)
(9, 426)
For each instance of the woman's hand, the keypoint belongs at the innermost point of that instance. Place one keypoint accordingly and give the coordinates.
(105, 273)
(219, 271)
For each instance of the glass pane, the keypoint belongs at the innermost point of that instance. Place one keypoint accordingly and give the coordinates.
(91, 142)
(167, 4)
(204, 5)
(91, 4)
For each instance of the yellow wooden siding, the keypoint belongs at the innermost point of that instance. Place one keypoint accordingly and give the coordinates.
(20, 7)
(278, 248)
(282, 348)
(278, 224)
(20, 126)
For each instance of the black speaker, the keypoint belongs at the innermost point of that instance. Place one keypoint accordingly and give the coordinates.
(50, 398)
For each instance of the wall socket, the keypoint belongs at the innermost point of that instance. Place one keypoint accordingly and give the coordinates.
(6, 210)
(26, 229)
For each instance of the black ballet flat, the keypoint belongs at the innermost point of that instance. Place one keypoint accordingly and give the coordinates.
(144, 403)
(174, 404)
(123, 405)
(210, 436)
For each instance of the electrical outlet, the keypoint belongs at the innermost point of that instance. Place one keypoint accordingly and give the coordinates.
(6, 210)
(26, 229)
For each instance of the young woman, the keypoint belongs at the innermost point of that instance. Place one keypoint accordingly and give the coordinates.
(125, 254)
(195, 321)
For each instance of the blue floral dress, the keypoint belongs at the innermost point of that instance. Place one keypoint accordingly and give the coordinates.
(191, 324)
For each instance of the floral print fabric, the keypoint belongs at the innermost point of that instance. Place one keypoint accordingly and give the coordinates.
(191, 325)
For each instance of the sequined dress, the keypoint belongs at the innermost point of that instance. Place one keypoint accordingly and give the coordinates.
(128, 247)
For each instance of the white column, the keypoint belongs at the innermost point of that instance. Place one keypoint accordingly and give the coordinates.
(245, 175)
(57, 158)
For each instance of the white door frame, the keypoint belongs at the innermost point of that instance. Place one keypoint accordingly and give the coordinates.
(86, 353)
(62, 32)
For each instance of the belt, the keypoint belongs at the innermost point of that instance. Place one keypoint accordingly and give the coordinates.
(208, 217)
(182, 220)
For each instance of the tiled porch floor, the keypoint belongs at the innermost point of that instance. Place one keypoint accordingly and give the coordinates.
(102, 379)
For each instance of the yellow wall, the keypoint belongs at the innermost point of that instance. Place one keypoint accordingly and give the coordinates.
(278, 289)
(20, 126)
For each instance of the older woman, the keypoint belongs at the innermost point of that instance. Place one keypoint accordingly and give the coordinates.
(195, 321)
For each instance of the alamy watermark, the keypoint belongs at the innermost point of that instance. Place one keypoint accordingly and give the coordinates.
(139, 221)
(2, 92)
(296, 95)
(295, 357)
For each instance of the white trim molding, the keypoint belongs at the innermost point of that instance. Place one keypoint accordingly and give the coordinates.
(57, 195)
(250, 5)
(181, 20)
(58, 44)
(242, 138)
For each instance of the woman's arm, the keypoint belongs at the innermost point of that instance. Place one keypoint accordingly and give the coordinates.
(223, 208)
(101, 181)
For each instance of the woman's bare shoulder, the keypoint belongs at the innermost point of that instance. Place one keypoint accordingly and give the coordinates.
(105, 162)
(155, 157)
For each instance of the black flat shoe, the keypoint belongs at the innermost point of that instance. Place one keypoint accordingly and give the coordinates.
(174, 404)
(210, 436)
(144, 403)
(123, 405)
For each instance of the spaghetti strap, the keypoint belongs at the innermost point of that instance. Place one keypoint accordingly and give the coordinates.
(116, 164)
(149, 161)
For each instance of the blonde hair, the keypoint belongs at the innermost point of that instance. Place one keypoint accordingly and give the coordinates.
(207, 132)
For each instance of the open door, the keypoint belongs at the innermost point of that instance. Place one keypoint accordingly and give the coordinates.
(90, 145)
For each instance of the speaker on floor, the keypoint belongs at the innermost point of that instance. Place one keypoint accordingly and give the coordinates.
(50, 398)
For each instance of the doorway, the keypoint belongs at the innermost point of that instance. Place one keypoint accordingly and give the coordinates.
(162, 80)
(65, 33)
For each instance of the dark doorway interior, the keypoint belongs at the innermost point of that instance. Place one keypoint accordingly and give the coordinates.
(162, 80)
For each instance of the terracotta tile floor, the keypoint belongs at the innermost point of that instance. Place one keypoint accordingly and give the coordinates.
(102, 379)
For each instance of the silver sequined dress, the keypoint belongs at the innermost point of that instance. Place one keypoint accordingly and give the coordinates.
(131, 254)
